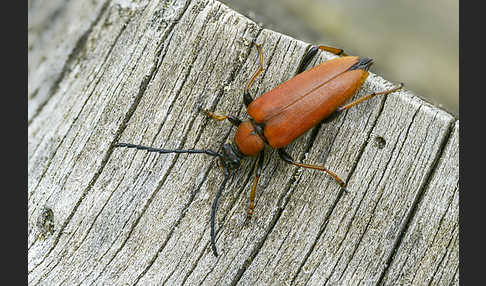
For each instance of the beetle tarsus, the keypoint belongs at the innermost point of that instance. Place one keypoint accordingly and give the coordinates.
(234, 120)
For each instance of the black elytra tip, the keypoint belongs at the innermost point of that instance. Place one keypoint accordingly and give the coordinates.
(363, 63)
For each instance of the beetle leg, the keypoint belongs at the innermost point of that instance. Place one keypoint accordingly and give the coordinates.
(255, 183)
(247, 99)
(286, 157)
(312, 52)
(366, 97)
(336, 51)
(307, 58)
(234, 120)
(359, 100)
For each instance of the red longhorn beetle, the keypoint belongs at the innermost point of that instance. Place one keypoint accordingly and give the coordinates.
(284, 113)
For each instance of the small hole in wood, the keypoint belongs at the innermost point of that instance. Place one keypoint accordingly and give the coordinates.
(380, 142)
(45, 223)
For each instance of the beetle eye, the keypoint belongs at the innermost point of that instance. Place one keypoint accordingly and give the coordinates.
(230, 158)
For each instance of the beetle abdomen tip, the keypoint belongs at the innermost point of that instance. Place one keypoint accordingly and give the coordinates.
(363, 63)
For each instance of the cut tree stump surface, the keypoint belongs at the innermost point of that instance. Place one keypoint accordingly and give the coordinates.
(102, 72)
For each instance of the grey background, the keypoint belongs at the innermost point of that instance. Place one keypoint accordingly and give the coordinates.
(414, 42)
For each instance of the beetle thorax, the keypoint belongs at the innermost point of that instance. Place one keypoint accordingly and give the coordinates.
(248, 141)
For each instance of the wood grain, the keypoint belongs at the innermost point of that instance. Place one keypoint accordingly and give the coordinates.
(140, 72)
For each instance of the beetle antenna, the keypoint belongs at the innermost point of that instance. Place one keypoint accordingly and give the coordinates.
(192, 151)
(165, 151)
(214, 207)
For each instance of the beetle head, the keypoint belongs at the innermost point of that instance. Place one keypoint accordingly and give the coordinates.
(231, 157)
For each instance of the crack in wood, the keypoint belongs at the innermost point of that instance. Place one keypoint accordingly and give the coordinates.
(239, 263)
(358, 243)
(446, 253)
(78, 47)
(420, 194)
(75, 119)
(435, 234)
(168, 172)
(340, 195)
(95, 176)
(143, 87)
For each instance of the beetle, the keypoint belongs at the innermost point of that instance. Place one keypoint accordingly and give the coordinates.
(283, 114)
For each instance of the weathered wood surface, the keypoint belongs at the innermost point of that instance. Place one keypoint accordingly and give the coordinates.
(102, 72)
